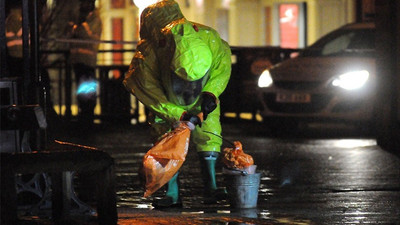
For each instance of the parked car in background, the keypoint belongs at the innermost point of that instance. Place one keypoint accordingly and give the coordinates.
(240, 96)
(334, 79)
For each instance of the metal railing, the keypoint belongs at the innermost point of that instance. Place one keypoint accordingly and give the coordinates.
(115, 103)
(63, 88)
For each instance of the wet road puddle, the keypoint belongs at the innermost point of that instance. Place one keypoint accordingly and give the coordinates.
(199, 217)
(179, 217)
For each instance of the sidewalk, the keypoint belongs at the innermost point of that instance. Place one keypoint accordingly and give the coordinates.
(306, 178)
(127, 145)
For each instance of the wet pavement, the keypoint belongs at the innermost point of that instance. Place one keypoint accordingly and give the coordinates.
(316, 175)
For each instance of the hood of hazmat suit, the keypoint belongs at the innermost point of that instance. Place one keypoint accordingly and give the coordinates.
(175, 62)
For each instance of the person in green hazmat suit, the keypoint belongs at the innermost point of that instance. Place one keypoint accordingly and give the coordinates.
(179, 70)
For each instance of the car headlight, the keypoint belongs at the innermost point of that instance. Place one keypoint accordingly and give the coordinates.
(351, 80)
(265, 79)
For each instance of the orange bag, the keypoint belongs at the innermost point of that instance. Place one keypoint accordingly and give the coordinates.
(235, 158)
(165, 158)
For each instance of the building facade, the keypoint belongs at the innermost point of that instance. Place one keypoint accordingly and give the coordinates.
(288, 24)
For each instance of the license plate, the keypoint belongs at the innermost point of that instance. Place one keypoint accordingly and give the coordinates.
(293, 98)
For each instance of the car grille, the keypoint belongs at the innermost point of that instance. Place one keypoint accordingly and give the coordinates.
(296, 85)
(318, 102)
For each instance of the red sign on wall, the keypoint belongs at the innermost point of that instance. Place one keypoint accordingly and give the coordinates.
(288, 24)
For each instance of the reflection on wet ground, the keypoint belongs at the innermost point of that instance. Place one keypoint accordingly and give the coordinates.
(311, 176)
(158, 217)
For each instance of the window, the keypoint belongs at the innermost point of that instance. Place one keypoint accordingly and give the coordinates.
(118, 4)
(290, 22)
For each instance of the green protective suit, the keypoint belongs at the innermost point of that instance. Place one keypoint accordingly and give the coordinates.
(175, 63)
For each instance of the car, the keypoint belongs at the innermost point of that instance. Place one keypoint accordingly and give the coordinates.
(333, 79)
(239, 100)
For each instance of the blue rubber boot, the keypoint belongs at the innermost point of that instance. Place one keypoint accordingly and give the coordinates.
(212, 193)
(171, 198)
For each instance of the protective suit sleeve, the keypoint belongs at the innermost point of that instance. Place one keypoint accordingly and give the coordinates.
(142, 81)
(220, 70)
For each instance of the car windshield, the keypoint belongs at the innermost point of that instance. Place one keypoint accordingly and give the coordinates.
(342, 43)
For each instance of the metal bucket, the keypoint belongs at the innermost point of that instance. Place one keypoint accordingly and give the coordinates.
(243, 190)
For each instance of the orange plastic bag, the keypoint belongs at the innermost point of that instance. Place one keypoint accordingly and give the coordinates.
(235, 158)
(165, 158)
